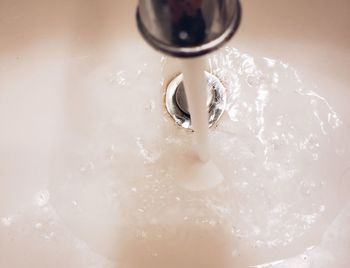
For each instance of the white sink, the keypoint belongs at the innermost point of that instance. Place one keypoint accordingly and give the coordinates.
(88, 152)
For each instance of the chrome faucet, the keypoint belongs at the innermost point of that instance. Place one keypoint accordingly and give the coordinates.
(188, 28)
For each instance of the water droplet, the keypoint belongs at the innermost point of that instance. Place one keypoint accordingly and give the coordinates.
(141, 210)
(38, 225)
(7, 221)
(49, 236)
(183, 35)
(155, 254)
(42, 198)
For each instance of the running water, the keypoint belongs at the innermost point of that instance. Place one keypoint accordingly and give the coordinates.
(279, 132)
(204, 174)
(196, 93)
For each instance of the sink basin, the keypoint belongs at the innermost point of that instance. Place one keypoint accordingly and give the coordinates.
(90, 156)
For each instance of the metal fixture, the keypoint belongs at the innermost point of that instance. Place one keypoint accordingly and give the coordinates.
(188, 28)
(176, 103)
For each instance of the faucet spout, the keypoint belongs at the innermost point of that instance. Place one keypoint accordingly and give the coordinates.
(188, 28)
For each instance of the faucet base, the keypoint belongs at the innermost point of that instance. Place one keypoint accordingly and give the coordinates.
(158, 28)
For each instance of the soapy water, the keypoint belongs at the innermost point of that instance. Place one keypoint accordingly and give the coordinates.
(279, 147)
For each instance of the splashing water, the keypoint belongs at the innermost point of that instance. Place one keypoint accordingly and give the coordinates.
(280, 147)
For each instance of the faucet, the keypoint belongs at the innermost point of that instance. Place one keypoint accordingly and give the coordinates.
(188, 28)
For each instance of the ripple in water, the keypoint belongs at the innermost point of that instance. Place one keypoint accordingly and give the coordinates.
(276, 148)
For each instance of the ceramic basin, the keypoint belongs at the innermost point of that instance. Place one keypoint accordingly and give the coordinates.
(90, 157)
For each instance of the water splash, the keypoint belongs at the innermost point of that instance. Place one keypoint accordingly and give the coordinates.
(273, 147)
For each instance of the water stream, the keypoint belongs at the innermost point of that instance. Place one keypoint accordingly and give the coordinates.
(196, 93)
(203, 174)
